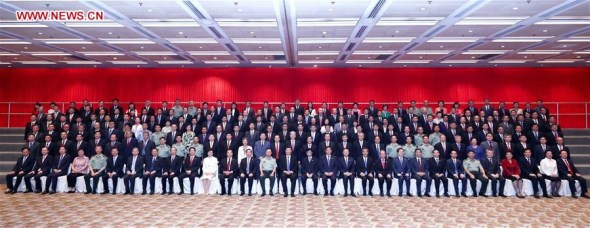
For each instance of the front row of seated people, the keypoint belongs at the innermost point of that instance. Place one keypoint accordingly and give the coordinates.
(327, 167)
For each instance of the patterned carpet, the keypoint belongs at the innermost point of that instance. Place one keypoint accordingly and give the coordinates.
(33, 210)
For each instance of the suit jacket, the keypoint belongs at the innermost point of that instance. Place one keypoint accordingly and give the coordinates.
(556, 150)
(331, 166)
(44, 166)
(495, 148)
(322, 148)
(128, 147)
(349, 166)
(194, 166)
(504, 149)
(254, 168)
(151, 165)
(173, 166)
(25, 166)
(309, 166)
(281, 151)
(295, 147)
(282, 165)
(446, 150)
(170, 140)
(83, 146)
(367, 168)
(461, 153)
(532, 139)
(35, 148)
(527, 168)
(491, 167)
(562, 169)
(116, 166)
(373, 150)
(453, 168)
(145, 148)
(436, 168)
(388, 167)
(539, 152)
(233, 167)
(222, 148)
(92, 146)
(340, 148)
(518, 150)
(305, 147)
(415, 167)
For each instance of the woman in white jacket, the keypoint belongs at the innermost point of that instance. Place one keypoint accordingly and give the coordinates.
(209, 170)
(548, 169)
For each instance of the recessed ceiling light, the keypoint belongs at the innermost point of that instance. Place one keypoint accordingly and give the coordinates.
(239, 10)
(149, 10)
(396, 31)
(495, 64)
(110, 33)
(525, 56)
(251, 33)
(578, 56)
(200, 47)
(473, 57)
(330, 9)
(320, 47)
(441, 46)
(423, 8)
(265, 57)
(25, 47)
(450, 65)
(214, 57)
(114, 57)
(470, 31)
(380, 46)
(40, 33)
(360, 65)
(259, 47)
(514, 8)
(137, 65)
(565, 45)
(83, 47)
(420, 57)
(315, 65)
(405, 65)
(502, 46)
(165, 57)
(141, 47)
(324, 32)
(180, 33)
(545, 30)
(368, 57)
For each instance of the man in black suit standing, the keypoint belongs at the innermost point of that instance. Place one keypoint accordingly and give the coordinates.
(191, 168)
(248, 171)
(347, 170)
(568, 171)
(24, 165)
(60, 168)
(365, 171)
(134, 170)
(309, 169)
(153, 169)
(228, 169)
(436, 168)
(288, 170)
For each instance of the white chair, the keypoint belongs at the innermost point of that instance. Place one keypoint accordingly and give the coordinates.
(289, 186)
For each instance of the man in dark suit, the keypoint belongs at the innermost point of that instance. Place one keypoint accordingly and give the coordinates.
(456, 172)
(383, 168)
(60, 168)
(358, 145)
(309, 169)
(493, 172)
(444, 147)
(113, 144)
(328, 170)
(42, 168)
(80, 144)
(347, 172)
(97, 141)
(506, 146)
(568, 171)
(529, 170)
(288, 171)
(172, 169)
(540, 149)
(365, 171)
(376, 147)
(191, 166)
(34, 146)
(437, 169)
(134, 170)
(24, 165)
(224, 145)
(146, 145)
(327, 143)
(344, 144)
(560, 147)
(171, 136)
(419, 170)
(153, 169)
(228, 169)
(248, 171)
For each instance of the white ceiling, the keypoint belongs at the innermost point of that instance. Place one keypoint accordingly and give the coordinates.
(301, 33)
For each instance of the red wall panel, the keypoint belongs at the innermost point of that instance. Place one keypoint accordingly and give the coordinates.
(287, 84)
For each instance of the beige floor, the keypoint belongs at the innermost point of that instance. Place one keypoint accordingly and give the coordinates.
(75, 210)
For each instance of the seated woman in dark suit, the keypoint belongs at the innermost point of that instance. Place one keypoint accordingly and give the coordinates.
(511, 171)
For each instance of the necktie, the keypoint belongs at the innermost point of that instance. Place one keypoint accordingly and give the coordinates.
(47, 144)
(228, 163)
(383, 164)
(63, 142)
(191, 162)
(491, 162)
(528, 160)
(288, 163)
(455, 164)
(491, 147)
(569, 169)
(153, 162)
(346, 161)
(366, 167)
(248, 166)
(328, 160)
(60, 159)
(419, 165)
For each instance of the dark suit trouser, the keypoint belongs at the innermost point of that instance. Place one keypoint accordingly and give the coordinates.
(400, 183)
(152, 179)
(473, 182)
(129, 181)
(105, 182)
(555, 183)
(19, 179)
(52, 180)
(535, 182)
(38, 181)
(495, 184)
(364, 183)
(243, 182)
(347, 180)
(191, 178)
(332, 182)
(95, 180)
(314, 179)
(230, 181)
(72, 177)
(28, 181)
(572, 182)
(456, 183)
(293, 178)
(170, 179)
(419, 184)
(388, 183)
(263, 176)
(438, 180)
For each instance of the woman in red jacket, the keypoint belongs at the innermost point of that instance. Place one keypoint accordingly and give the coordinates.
(511, 171)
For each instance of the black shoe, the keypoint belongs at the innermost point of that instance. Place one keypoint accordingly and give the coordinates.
(574, 196)
(126, 193)
(316, 193)
(332, 193)
(556, 195)
(345, 194)
(242, 194)
(547, 196)
(388, 194)
(371, 193)
(250, 194)
(585, 196)
(271, 194)
(409, 195)
(381, 194)
(152, 192)
(263, 194)
(105, 192)
(483, 195)
(181, 192)
(45, 192)
(52, 192)
(536, 196)
(71, 191)
(163, 193)
(13, 192)
(400, 194)
(503, 196)
(437, 196)
(229, 194)
(86, 193)
(353, 195)
(521, 197)
(427, 194)
(192, 193)
(364, 194)
(304, 193)
(131, 193)
(8, 191)
(447, 195)
(494, 195)
(38, 191)
(222, 194)
(474, 195)
(286, 195)
(463, 194)
(292, 194)
(27, 191)
(170, 193)
(144, 193)
(325, 194)
(114, 193)
(419, 195)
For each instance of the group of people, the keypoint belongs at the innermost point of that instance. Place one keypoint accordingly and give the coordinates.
(299, 143)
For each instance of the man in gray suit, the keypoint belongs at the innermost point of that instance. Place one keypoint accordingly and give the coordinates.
(489, 144)
(34, 146)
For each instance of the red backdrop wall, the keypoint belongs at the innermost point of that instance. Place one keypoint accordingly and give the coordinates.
(308, 84)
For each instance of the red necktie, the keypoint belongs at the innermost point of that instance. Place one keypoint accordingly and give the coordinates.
(568, 167)
(383, 164)
(277, 152)
(228, 163)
